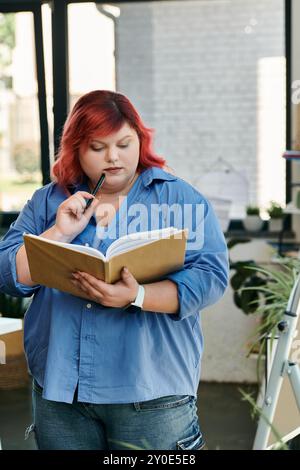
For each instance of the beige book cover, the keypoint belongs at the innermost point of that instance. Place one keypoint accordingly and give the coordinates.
(148, 256)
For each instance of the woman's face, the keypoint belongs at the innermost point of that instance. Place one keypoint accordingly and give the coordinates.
(120, 150)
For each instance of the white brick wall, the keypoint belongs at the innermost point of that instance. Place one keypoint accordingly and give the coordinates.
(190, 67)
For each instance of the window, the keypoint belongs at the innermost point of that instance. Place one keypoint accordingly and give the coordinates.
(91, 49)
(20, 172)
(209, 76)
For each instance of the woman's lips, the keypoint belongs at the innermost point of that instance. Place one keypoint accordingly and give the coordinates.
(113, 170)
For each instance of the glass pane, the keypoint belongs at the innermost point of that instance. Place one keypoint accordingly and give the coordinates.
(209, 77)
(20, 171)
(91, 49)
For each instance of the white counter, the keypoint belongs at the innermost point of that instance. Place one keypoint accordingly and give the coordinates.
(8, 325)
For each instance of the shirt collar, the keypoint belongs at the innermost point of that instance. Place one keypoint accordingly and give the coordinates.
(155, 173)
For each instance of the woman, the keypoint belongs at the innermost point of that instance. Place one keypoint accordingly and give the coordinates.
(105, 375)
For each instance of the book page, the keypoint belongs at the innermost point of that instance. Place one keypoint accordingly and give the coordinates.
(87, 249)
(133, 240)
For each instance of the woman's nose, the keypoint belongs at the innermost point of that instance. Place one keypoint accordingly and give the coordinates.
(112, 155)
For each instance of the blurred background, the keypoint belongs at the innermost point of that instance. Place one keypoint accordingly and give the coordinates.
(219, 81)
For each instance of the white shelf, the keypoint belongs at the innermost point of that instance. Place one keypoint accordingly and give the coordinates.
(8, 325)
(291, 209)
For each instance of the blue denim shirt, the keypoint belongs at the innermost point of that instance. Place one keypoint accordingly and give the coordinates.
(116, 355)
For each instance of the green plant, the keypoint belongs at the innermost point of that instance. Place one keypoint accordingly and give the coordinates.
(7, 38)
(244, 283)
(276, 292)
(252, 210)
(271, 298)
(243, 277)
(263, 292)
(257, 411)
(131, 446)
(275, 210)
(26, 159)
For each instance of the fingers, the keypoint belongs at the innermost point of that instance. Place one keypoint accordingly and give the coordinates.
(92, 293)
(111, 295)
(87, 279)
(75, 206)
(92, 286)
(77, 203)
(84, 194)
(90, 210)
(81, 196)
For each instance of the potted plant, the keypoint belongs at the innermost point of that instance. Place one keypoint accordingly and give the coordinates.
(14, 373)
(253, 222)
(263, 292)
(276, 214)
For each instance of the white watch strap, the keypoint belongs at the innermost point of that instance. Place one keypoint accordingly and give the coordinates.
(138, 302)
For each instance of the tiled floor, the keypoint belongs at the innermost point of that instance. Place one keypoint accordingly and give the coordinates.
(224, 418)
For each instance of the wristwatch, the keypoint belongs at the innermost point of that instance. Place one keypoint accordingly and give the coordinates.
(138, 302)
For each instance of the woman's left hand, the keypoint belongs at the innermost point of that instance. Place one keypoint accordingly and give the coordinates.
(119, 294)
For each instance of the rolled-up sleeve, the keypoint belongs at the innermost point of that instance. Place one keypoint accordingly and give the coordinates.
(27, 222)
(204, 277)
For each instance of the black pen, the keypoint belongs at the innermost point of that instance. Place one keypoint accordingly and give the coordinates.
(95, 190)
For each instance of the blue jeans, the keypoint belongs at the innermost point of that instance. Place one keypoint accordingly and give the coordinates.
(164, 423)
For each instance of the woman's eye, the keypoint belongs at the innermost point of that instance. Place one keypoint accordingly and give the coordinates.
(98, 149)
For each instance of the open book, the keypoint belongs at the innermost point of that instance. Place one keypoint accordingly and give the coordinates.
(148, 256)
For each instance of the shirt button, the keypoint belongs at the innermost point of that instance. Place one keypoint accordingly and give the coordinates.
(87, 244)
(88, 305)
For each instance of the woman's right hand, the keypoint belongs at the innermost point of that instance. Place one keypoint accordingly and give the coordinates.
(71, 217)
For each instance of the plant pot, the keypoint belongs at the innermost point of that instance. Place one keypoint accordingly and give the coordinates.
(275, 225)
(253, 223)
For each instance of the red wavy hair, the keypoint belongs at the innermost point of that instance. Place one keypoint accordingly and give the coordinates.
(101, 113)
